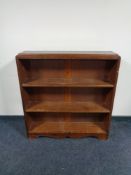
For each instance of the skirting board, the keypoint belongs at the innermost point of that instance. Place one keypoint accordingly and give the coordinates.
(120, 118)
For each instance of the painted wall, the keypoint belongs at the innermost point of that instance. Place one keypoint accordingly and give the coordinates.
(63, 25)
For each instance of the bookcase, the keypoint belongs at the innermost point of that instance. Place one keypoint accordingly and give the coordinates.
(68, 94)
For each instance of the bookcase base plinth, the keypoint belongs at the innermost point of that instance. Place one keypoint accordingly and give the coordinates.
(73, 135)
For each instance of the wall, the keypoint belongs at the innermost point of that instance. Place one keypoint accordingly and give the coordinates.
(63, 25)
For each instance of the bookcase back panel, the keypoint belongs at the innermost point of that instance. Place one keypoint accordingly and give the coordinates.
(47, 94)
(44, 69)
(93, 69)
(36, 69)
(89, 94)
(74, 117)
(66, 94)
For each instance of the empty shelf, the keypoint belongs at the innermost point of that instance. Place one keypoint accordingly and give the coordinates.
(67, 127)
(64, 82)
(78, 107)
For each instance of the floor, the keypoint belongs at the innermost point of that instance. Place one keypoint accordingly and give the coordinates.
(46, 156)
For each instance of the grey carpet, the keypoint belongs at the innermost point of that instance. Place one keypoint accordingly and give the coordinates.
(46, 156)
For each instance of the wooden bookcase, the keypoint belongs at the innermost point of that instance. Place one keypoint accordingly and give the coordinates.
(68, 94)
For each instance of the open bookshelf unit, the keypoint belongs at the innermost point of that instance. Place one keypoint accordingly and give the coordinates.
(68, 94)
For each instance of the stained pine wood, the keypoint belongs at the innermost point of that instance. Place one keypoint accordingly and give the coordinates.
(101, 55)
(68, 94)
(67, 82)
(48, 106)
(69, 127)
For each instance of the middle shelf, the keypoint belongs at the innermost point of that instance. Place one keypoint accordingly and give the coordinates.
(67, 82)
(61, 106)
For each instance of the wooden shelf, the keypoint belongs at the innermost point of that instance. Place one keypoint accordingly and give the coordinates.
(68, 82)
(67, 127)
(72, 107)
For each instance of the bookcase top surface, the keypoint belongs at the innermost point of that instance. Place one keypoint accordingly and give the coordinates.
(67, 55)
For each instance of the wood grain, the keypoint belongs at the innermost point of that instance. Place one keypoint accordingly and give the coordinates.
(68, 127)
(60, 106)
(101, 55)
(67, 82)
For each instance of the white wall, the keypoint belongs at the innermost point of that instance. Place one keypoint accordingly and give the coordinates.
(63, 25)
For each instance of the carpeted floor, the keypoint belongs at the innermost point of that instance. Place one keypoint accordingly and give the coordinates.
(44, 156)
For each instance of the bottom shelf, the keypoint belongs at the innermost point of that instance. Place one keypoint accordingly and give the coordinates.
(67, 125)
(68, 128)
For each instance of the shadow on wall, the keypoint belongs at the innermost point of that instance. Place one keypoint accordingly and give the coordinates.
(123, 96)
(10, 100)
